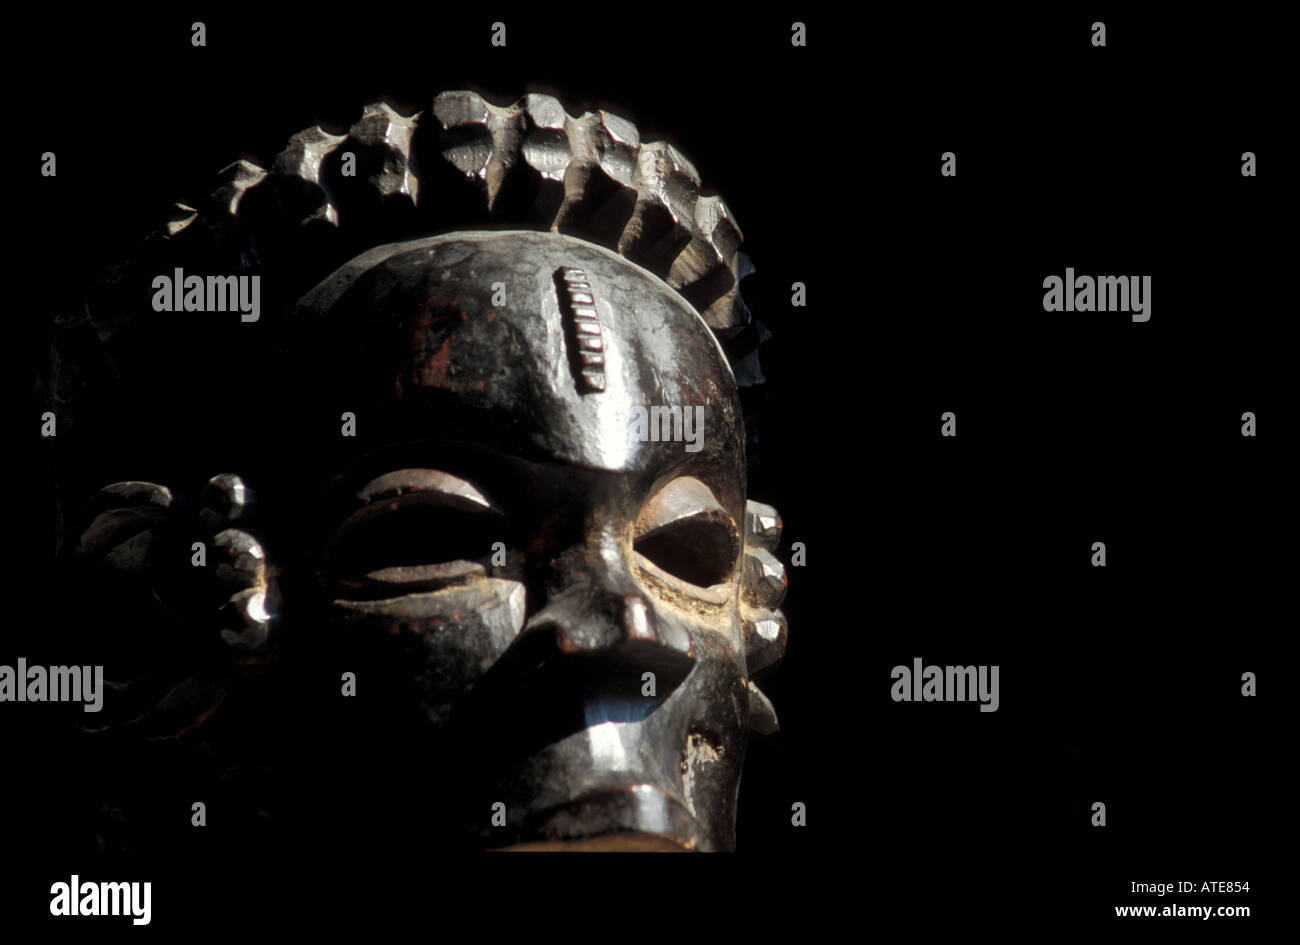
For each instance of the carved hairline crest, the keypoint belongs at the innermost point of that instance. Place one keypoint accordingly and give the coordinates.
(461, 164)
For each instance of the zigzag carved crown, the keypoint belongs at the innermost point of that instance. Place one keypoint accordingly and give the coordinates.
(461, 164)
(467, 162)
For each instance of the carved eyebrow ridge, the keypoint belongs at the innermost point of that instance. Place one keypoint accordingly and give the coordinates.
(401, 482)
(685, 497)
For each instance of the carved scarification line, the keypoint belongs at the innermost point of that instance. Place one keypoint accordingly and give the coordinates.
(582, 336)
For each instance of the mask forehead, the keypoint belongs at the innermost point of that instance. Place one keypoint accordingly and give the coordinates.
(542, 346)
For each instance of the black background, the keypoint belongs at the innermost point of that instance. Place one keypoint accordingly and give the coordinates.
(924, 295)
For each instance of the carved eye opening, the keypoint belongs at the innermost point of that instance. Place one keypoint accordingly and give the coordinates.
(684, 531)
(412, 519)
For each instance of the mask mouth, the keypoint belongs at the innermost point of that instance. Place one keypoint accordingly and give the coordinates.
(638, 818)
(538, 694)
(628, 841)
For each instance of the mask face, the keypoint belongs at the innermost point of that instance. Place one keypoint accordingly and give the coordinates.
(527, 551)
(546, 538)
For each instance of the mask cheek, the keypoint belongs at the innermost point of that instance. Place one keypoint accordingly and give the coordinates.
(443, 641)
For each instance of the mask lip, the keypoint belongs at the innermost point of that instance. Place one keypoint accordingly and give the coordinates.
(634, 813)
(535, 672)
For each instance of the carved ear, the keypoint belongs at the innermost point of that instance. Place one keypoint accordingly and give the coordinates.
(124, 519)
(763, 587)
(142, 541)
(241, 567)
(140, 527)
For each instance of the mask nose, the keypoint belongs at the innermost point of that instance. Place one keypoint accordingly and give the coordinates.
(586, 658)
(610, 621)
(618, 634)
(597, 650)
(596, 606)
